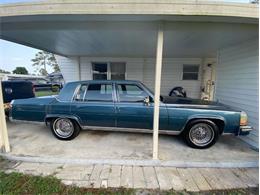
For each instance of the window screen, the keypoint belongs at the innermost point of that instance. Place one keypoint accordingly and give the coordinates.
(117, 70)
(99, 92)
(190, 72)
(131, 93)
(99, 71)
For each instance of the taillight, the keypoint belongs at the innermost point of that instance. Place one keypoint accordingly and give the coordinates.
(243, 119)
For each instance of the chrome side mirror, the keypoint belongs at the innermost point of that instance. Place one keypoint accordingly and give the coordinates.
(147, 101)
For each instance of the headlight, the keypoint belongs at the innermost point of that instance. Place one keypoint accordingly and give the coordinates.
(243, 118)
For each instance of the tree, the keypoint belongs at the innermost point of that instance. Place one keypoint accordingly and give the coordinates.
(4, 71)
(43, 72)
(20, 70)
(42, 60)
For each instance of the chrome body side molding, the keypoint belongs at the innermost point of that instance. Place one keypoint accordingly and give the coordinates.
(132, 130)
(27, 122)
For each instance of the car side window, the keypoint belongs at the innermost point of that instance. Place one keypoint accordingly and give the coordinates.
(131, 93)
(42, 81)
(99, 92)
(81, 93)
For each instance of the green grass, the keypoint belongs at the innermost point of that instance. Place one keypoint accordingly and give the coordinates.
(17, 183)
(45, 93)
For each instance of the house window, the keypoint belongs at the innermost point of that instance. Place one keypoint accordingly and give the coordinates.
(190, 72)
(99, 71)
(117, 71)
(109, 71)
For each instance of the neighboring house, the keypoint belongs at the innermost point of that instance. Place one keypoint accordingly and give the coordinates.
(210, 48)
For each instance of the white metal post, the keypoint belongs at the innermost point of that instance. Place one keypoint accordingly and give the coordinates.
(4, 141)
(157, 89)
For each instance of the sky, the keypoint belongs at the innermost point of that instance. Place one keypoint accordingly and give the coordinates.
(13, 55)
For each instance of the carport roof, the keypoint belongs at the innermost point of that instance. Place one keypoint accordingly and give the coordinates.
(128, 28)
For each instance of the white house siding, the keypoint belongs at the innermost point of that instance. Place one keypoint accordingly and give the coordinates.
(69, 67)
(134, 69)
(85, 69)
(172, 75)
(142, 69)
(237, 82)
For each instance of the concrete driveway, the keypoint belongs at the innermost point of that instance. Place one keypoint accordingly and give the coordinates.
(30, 140)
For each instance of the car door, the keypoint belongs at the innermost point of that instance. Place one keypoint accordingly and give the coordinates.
(132, 112)
(94, 105)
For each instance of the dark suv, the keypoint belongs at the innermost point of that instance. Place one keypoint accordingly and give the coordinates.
(16, 90)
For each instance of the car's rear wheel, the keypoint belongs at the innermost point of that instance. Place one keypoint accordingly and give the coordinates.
(64, 128)
(201, 134)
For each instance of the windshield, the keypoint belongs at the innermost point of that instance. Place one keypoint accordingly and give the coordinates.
(151, 92)
(148, 89)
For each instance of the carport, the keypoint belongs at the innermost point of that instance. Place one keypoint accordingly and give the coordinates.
(116, 30)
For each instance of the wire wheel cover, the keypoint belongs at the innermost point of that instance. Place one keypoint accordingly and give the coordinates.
(201, 134)
(63, 127)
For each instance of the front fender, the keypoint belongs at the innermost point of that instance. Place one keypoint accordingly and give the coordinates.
(206, 116)
(49, 116)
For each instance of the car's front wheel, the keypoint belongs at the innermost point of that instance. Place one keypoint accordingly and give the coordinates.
(201, 134)
(64, 128)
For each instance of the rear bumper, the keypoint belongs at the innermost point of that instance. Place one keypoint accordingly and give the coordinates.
(245, 130)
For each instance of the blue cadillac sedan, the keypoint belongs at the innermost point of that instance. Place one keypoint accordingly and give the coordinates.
(128, 106)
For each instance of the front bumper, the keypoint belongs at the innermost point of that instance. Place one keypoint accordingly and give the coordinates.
(245, 130)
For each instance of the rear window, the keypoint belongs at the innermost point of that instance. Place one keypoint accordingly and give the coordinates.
(95, 92)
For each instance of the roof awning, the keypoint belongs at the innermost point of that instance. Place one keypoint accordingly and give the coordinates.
(116, 33)
(133, 39)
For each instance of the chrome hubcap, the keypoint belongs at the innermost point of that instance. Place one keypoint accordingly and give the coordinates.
(201, 134)
(63, 128)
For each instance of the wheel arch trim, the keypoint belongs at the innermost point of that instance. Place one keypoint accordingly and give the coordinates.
(49, 116)
(200, 116)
